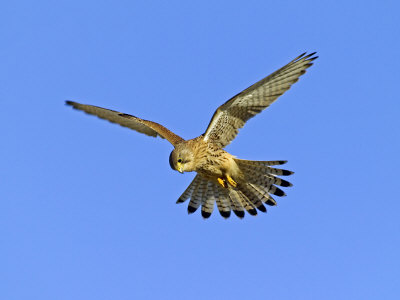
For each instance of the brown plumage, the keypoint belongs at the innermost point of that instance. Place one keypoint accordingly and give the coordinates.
(232, 183)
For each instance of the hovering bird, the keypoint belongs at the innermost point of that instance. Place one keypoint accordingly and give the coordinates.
(234, 184)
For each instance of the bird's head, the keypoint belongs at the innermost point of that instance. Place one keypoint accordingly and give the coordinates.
(181, 159)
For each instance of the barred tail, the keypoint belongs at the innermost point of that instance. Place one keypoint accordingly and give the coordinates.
(250, 194)
(261, 181)
(204, 193)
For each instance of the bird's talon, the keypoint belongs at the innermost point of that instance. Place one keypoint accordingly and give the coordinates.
(222, 182)
(231, 181)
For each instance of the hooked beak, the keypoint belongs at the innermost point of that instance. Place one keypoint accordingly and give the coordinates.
(179, 168)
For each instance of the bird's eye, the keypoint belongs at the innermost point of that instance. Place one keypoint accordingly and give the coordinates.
(179, 160)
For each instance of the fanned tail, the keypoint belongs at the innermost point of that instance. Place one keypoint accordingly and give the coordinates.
(260, 181)
(205, 193)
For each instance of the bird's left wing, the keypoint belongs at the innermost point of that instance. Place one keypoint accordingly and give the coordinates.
(143, 126)
(233, 114)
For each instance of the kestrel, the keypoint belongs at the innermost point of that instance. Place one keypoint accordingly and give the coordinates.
(234, 184)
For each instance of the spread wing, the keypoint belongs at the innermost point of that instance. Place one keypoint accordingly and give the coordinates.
(233, 114)
(132, 122)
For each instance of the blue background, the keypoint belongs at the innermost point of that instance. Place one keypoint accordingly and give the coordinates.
(87, 208)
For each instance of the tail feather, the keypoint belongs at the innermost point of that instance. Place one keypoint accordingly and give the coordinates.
(269, 200)
(263, 195)
(204, 193)
(261, 162)
(236, 205)
(207, 204)
(254, 195)
(278, 181)
(196, 198)
(244, 201)
(265, 183)
(275, 190)
(279, 172)
(189, 191)
(260, 168)
(259, 183)
(222, 200)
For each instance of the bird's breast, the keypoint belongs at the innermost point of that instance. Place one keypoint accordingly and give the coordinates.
(214, 162)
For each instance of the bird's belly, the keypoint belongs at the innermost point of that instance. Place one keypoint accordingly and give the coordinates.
(219, 167)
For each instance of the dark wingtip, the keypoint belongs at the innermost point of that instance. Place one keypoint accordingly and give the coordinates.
(270, 202)
(205, 214)
(262, 208)
(301, 55)
(287, 173)
(191, 209)
(70, 103)
(225, 214)
(310, 55)
(285, 183)
(179, 201)
(239, 213)
(304, 56)
(252, 211)
(278, 192)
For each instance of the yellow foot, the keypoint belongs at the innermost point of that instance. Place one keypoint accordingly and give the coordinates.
(222, 182)
(231, 181)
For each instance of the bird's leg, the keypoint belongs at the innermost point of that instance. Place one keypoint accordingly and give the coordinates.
(222, 182)
(231, 181)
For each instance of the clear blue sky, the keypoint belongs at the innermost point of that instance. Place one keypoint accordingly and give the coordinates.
(87, 208)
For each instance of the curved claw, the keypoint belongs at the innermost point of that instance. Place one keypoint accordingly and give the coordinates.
(222, 182)
(231, 181)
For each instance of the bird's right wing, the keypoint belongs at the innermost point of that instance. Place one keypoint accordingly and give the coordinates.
(233, 114)
(143, 126)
